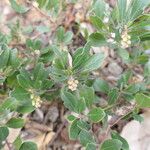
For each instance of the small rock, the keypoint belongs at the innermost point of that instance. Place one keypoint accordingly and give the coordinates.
(38, 115)
(53, 114)
(115, 69)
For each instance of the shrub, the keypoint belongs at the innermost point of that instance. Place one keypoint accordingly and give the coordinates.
(39, 72)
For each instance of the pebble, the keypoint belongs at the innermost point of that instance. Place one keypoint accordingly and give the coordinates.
(115, 69)
(53, 114)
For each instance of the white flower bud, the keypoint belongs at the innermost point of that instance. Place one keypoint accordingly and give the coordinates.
(37, 52)
(35, 4)
(106, 20)
(72, 84)
(113, 35)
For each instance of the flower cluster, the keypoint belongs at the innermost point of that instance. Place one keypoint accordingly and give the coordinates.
(72, 84)
(112, 38)
(126, 39)
(36, 100)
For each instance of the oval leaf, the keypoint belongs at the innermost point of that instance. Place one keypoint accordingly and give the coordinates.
(15, 123)
(28, 146)
(96, 115)
(111, 144)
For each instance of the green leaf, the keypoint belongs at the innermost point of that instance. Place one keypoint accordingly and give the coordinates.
(94, 62)
(112, 144)
(113, 96)
(88, 94)
(17, 143)
(26, 108)
(74, 130)
(101, 85)
(79, 58)
(122, 8)
(68, 37)
(142, 100)
(99, 8)
(86, 137)
(20, 94)
(70, 101)
(138, 118)
(23, 82)
(83, 125)
(10, 103)
(124, 54)
(96, 115)
(81, 105)
(4, 57)
(18, 8)
(3, 133)
(97, 39)
(71, 118)
(14, 60)
(28, 146)
(63, 37)
(90, 146)
(43, 29)
(125, 145)
(39, 74)
(60, 34)
(136, 8)
(97, 22)
(15, 123)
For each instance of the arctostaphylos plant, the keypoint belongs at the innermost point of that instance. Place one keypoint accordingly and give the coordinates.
(41, 72)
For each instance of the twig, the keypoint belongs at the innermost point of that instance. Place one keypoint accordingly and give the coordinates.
(8, 145)
(58, 132)
(120, 118)
(41, 12)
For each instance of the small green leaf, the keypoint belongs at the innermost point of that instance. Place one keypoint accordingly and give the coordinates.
(43, 29)
(60, 34)
(90, 146)
(101, 85)
(20, 94)
(80, 57)
(113, 96)
(69, 100)
(13, 59)
(3, 133)
(68, 37)
(94, 62)
(81, 105)
(88, 94)
(17, 143)
(99, 8)
(23, 82)
(125, 145)
(40, 74)
(96, 115)
(71, 118)
(9, 104)
(142, 100)
(74, 130)
(97, 39)
(18, 8)
(124, 54)
(28, 146)
(4, 57)
(97, 22)
(26, 108)
(122, 8)
(86, 137)
(112, 144)
(15, 123)
(83, 125)
(138, 118)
